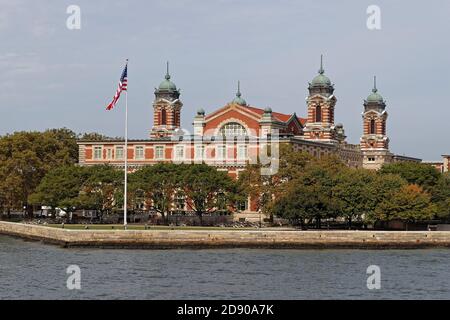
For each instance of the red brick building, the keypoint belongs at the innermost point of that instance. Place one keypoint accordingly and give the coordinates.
(233, 135)
(443, 166)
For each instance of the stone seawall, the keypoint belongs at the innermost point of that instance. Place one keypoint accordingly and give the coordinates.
(228, 238)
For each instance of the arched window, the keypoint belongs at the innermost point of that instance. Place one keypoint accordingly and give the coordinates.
(318, 114)
(163, 117)
(233, 129)
(372, 126)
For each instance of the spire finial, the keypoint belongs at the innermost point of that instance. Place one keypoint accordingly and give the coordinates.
(374, 84)
(238, 94)
(167, 72)
(321, 71)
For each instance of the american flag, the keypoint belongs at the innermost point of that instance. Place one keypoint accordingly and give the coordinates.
(123, 86)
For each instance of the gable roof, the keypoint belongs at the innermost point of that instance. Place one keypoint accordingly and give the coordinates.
(257, 112)
(233, 106)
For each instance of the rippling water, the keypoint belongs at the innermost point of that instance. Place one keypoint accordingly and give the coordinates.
(32, 270)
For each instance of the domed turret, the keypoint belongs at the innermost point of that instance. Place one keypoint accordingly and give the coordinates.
(374, 142)
(321, 84)
(375, 96)
(375, 100)
(166, 109)
(239, 100)
(167, 84)
(321, 103)
(167, 89)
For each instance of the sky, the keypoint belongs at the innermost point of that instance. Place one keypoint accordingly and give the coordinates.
(55, 77)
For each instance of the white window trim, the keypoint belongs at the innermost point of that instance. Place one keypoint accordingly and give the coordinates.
(179, 147)
(135, 153)
(163, 148)
(200, 156)
(93, 152)
(218, 155)
(245, 147)
(123, 152)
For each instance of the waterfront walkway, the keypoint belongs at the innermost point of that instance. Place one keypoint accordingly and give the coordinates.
(202, 238)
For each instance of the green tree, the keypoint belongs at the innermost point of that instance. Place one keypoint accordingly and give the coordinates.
(259, 187)
(440, 195)
(301, 203)
(95, 136)
(427, 177)
(292, 163)
(409, 204)
(381, 189)
(159, 183)
(63, 143)
(206, 189)
(26, 157)
(60, 188)
(102, 191)
(309, 195)
(265, 188)
(10, 190)
(320, 176)
(421, 174)
(354, 191)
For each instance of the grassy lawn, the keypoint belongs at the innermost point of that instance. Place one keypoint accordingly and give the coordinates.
(139, 227)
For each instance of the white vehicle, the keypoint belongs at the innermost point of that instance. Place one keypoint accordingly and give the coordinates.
(47, 212)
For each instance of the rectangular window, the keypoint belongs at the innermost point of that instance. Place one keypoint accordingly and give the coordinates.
(221, 152)
(139, 153)
(119, 153)
(371, 159)
(242, 153)
(159, 152)
(98, 153)
(199, 152)
(179, 152)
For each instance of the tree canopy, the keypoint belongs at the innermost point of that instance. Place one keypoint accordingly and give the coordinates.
(39, 168)
(207, 189)
(420, 174)
(158, 184)
(26, 157)
(409, 204)
(326, 189)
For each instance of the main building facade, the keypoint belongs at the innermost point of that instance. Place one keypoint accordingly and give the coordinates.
(237, 133)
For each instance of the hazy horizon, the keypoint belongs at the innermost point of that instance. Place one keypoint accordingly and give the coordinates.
(55, 77)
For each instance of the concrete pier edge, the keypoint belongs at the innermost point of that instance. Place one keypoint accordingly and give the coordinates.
(200, 239)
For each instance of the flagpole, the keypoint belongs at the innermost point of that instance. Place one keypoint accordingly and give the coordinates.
(125, 205)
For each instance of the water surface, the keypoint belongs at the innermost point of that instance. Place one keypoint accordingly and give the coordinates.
(32, 270)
